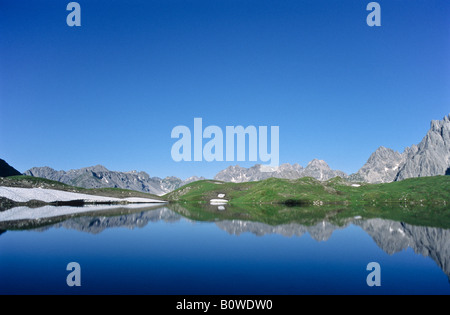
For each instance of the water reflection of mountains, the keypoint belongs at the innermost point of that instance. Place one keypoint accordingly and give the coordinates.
(390, 236)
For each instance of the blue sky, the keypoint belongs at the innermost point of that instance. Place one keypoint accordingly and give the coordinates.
(111, 91)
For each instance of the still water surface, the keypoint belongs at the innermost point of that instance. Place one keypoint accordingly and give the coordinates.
(160, 251)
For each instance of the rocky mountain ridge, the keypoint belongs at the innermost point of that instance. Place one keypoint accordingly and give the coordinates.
(430, 157)
(317, 169)
(100, 177)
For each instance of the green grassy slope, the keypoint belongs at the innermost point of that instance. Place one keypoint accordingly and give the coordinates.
(307, 190)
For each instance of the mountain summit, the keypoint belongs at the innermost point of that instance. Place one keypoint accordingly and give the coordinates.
(430, 157)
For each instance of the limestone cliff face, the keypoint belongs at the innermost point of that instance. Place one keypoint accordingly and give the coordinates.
(430, 157)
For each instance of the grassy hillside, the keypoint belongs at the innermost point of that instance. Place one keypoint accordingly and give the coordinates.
(308, 191)
(303, 191)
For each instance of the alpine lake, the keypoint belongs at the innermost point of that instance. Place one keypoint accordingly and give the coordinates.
(191, 249)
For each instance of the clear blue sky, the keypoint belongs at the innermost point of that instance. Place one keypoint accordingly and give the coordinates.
(110, 92)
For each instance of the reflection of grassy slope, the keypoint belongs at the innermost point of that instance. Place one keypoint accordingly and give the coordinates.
(265, 213)
(34, 182)
(417, 201)
(431, 216)
(426, 190)
(308, 216)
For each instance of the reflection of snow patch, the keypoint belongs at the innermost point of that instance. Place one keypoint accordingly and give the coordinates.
(220, 208)
(218, 202)
(25, 213)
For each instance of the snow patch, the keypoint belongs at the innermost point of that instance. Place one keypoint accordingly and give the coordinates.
(51, 195)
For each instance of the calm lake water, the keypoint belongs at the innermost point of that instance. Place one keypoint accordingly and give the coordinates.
(161, 251)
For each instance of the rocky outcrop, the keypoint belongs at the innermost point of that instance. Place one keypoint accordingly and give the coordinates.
(7, 170)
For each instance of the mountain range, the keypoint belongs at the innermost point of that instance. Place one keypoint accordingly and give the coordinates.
(429, 158)
(100, 177)
(317, 169)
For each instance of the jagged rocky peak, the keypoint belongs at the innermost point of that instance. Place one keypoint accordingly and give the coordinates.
(320, 170)
(433, 153)
(48, 173)
(35, 171)
(382, 166)
(193, 179)
(384, 153)
(97, 168)
(318, 164)
(430, 157)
